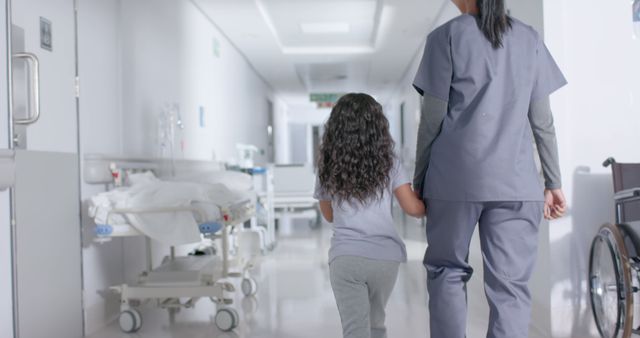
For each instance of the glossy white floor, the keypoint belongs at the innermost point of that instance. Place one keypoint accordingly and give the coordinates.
(295, 299)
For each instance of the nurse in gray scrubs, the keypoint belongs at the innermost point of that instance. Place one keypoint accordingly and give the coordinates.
(485, 79)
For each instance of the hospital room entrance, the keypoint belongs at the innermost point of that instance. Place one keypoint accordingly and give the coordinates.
(44, 202)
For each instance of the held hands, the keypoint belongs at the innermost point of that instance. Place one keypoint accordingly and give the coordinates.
(409, 201)
(555, 204)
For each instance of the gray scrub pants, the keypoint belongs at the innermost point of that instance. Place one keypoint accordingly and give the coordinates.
(362, 288)
(509, 242)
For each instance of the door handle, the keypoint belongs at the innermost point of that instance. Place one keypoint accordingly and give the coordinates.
(34, 86)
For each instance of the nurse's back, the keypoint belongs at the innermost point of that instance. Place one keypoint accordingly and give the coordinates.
(485, 78)
(484, 150)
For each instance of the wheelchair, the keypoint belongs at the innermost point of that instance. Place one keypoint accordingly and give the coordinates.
(614, 262)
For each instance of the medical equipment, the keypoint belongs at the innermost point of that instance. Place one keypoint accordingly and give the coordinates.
(261, 230)
(293, 192)
(182, 212)
(614, 264)
(246, 152)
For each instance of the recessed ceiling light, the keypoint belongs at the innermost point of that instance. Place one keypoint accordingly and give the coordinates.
(325, 27)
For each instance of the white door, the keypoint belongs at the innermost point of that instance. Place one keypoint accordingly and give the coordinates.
(6, 305)
(46, 242)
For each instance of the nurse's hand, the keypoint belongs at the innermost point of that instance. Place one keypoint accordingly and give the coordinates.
(555, 205)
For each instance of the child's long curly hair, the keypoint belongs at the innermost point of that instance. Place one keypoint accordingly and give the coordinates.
(356, 154)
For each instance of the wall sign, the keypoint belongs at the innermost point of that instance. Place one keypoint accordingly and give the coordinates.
(216, 48)
(46, 39)
(635, 8)
(201, 116)
(325, 100)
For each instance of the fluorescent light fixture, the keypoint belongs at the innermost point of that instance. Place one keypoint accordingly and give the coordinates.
(325, 27)
(329, 50)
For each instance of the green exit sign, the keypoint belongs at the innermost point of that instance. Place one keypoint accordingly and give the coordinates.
(325, 97)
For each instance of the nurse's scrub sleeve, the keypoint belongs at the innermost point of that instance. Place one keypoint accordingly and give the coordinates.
(433, 82)
(549, 76)
(549, 79)
(436, 69)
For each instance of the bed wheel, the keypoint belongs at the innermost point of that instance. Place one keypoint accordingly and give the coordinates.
(249, 286)
(227, 319)
(130, 320)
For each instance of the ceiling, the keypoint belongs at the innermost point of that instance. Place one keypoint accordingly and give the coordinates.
(304, 46)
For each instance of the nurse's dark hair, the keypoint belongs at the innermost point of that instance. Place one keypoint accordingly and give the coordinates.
(493, 20)
(357, 151)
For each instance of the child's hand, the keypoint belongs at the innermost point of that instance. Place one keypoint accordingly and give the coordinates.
(418, 194)
(410, 201)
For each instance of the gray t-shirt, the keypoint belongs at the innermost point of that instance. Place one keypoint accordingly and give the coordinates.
(367, 230)
(483, 152)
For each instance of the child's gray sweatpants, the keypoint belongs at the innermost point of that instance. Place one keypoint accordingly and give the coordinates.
(362, 288)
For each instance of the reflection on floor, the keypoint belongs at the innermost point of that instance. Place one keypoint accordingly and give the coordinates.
(294, 297)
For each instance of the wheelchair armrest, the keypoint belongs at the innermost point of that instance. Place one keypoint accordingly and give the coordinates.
(627, 194)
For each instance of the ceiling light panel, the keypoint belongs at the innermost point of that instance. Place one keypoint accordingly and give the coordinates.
(322, 23)
(325, 27)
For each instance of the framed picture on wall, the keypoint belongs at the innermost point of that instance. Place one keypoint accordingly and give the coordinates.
(46, 40)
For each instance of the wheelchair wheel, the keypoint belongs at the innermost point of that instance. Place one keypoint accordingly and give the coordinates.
(610, 283)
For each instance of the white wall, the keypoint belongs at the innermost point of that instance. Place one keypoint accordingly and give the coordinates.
(6, 317)
(169, 57)
(232, 94)
(101, 126)
(597, 117)
(281, 132)
(150, 67)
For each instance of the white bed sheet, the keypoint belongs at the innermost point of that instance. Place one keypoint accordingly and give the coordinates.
(172, 228)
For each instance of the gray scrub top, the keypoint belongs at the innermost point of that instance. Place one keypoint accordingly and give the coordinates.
(367, 230)
(485, 149)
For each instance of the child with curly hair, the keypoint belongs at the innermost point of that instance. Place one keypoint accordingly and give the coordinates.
(358, 175)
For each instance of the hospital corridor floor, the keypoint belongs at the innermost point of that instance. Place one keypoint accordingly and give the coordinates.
(295, 300)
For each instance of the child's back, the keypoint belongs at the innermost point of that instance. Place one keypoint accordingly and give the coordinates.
(357, 176)
(367, 230)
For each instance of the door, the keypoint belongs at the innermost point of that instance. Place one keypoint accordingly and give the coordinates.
(46, 203)
(6, 305)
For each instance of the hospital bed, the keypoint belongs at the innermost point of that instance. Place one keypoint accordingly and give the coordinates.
(293, 192)
(210, 212)
(614, 264)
